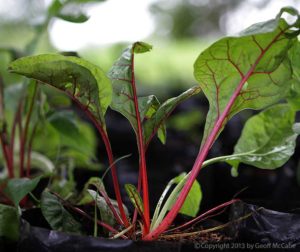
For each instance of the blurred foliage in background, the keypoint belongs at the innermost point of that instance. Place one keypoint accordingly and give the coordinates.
(182, 29)
(40, 119)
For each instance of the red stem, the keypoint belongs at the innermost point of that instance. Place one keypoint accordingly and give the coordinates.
(111, 207)
(78, 210)
(167, 221)
(200, 217)
(107, 145)
(101, 223)
(141, 147)
(110, 159)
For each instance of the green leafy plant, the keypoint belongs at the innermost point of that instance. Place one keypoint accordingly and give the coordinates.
(256, 69)
(28, 120)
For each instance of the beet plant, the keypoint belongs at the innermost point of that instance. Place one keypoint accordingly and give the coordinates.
(257, 69)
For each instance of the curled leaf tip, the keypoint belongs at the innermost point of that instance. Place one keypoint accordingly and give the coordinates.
(141, 47)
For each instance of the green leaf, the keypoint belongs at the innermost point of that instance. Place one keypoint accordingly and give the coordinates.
(81, 80)
(74, 134)
(135, 197)
(64, 122)
(156, 121)
(141, 47)
(121, 75)
(9, 223)
(57, 216)
(87, 196)
(249, 71)
(153, 115)
(17, 188)
(294, 94)
(64, 187)
(190, 206)
(55, 7)
(42, 162)
(74, 18)
(69, 10)
(267, 140)
(193, 200)
(106, 213)
(45, 133)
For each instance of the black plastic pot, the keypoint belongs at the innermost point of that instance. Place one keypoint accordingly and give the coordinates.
(278, 230)
(257, 228)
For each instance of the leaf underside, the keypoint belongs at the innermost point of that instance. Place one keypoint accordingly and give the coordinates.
(267, 140)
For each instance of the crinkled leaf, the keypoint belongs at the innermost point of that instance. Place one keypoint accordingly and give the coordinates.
(249, 71)
(57, 216)
(135, 197)
(156, 121)
(9, 223)
(17, 188)
(84, 82)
